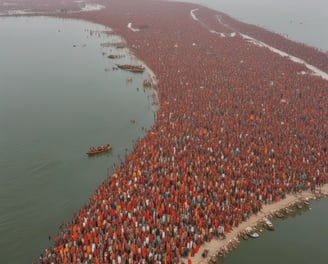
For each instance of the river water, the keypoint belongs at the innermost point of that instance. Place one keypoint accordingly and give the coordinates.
(58, 96)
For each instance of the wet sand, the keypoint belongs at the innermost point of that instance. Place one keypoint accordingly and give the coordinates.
(240, 124)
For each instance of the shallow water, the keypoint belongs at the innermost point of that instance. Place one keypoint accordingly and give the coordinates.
(58, 96)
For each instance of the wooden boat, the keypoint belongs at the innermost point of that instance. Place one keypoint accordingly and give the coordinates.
(100, 149)
(120, 45)
(131, 68)
(113, 56)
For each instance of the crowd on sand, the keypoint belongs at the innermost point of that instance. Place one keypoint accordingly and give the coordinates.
(309, 54)
(238, 127)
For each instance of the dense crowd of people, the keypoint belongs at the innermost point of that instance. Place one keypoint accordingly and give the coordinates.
(309, 54)
(238, 127)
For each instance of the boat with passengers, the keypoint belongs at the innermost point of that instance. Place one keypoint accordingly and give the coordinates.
(100, 149)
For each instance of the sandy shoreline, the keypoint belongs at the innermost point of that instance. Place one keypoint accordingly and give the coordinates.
(215, 245)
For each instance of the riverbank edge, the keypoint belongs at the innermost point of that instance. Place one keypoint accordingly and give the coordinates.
(217, 247)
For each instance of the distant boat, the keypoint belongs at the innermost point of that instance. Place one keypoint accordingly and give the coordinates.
(268, 224)
(113, 56)
(100, 149)
(131, 68)
(252, 233)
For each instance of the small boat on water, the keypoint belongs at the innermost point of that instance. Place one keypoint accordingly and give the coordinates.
(251, 233)
(100, 149)
(131, 68)
(268, 224)
(113, 56)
